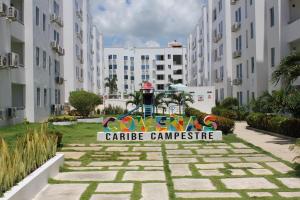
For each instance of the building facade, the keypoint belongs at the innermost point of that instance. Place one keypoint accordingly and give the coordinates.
(131, 67)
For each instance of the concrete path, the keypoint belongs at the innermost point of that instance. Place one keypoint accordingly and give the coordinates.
(275, 145)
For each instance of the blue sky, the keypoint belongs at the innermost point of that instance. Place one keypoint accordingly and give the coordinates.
(145, 22)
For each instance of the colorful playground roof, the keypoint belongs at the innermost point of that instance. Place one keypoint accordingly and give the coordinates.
(147, 86)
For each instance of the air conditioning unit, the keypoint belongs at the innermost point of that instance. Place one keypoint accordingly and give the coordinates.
(237, 81)
(11, 112)
(54, 45)
(237, 54)
(3, 61)
(13, 59)
(2, 114)
(233, 2)
(3, 9)
(235, 26)
(60, 51)
(53, 17)
(59, 80)
(12, 14)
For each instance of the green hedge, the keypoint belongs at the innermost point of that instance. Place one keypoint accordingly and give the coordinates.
(231, 114)
(62, 118)
(275, 123)
(224, 124)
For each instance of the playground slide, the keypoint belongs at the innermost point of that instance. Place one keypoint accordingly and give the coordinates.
(129, 113)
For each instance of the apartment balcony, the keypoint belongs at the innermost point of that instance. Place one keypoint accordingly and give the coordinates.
(54, 18)
(237, 54)
(218, 80)
(80, 35)
(293, 31)
(57, 48)
(79, 14)
(236, 26)
(233, 2)
(237, 81)
(217, 37)
(80, 58)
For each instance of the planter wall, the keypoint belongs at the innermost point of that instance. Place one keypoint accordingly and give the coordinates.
(92, 120)
(64, 123)
(30, 186)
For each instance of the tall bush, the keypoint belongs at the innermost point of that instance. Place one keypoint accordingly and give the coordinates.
(31, 151)
(84, 102)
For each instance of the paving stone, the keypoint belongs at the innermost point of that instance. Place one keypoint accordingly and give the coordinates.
(222, 159)
(237, 172)
(73, 163)
(246, 165)
(211, 151)
(144, 176)
(154, 168)
(110, 197)
(239, 145)
(82, 148)
(289, 194)
(72, 154)
(171, 146)
(180, 170)
(206, 195)
(259, 194)
(76, 145)
(154, 191)
(210, 166)
(259, 159)
(146, 148)
(123, 168)
(130, 153)
(114, 187)
(260, 171)
(128, 158)
(191, 148)
(146, 163)
(152, 145)
(208, 147)
(193, 184)
(105, 163)
(183, 160)
(154, 156)
(293, 183)
(94, 145)
(85, 168)
(279, 166)
(191, 145)
(87, 176)
(248, 183)
(185, 156)
(62, 191)
(179, 152)
(224, 147)
(246, 155)
(100, 156)
(244, 151)
(210, 172)
(117, 149)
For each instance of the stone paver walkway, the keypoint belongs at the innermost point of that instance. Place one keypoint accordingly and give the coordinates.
(275, 145)
(170, 171)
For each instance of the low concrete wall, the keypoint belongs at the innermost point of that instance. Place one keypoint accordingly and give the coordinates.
(30, 186)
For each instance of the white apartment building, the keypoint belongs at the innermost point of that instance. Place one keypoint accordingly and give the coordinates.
(31, 67)
(249, 66)
(283, 34)
(221, 58)
(132, 67)
(199, 51)
(73, 34)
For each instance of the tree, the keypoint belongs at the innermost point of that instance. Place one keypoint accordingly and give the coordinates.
(292, 102)
(136, 98)
(84, 102)
(230, 103)
(288, 71)
(263, 103)
(158, 100)
(111, 83)
(181, 99)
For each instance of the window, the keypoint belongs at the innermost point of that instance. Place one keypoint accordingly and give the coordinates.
(109, 57)
(222, 73)
(45, 97)
(252, 30)
(169, 56)
(44, 59)
(222, 94)
(56, 8)
(214, 15)
(221, 27)
(160, 57)
(238, 15)
(125, 67)
(246, 9)
(240, 98)
(251, 2)
(44, 22)
(238, 43)
(56, 68)
(221, 50)
(247, 37)
(126, 77)
(56, 36)
(160, 87)
(37, 56)
(37, 16)
(252, 65)
(114, 57)
(125, 57)
(247, 68)
(239, 71)
(38, 97)
(50, 66)
(253, 96)
(115, 66)
(272, 57)
(248, 96)
(217, 95)
(272, 17)
(160, 67)
(160, 77)
(220, 5)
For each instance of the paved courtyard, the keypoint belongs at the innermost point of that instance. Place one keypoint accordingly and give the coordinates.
(157, 171)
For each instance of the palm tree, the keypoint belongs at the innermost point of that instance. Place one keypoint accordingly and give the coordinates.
(136, 99)
(181, 99)
(111, 83)
(288, 71)
(158, 100)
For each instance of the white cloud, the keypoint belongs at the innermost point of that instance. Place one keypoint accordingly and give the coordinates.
(145, 22)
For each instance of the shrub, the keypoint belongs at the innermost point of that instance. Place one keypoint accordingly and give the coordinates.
(84, 102)
(113, 110)
(229, 103)
(62, 118)
(224, 124)
(31, 151)
(275, 123)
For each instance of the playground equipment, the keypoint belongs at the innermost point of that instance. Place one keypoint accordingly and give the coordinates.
(148, 99)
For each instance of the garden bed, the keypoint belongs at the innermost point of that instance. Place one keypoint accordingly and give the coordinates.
(36, 181)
